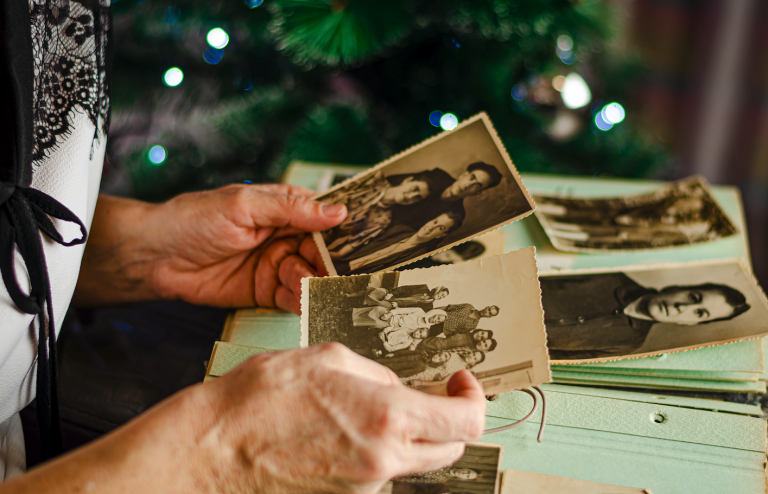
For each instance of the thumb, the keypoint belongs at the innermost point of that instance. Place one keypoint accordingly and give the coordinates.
(287, 210)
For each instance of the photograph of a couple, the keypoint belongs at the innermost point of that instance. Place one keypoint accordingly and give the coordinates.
(477, 472)
(682, 213)
(437, 194)
(599, 315)
(427, 324)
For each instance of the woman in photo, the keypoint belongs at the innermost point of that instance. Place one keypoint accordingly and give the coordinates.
(457, 359)
(401, 243)
(403, 296)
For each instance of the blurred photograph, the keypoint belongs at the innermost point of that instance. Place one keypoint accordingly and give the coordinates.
(681, 213)
(438, 194)
(477, 472)
(601, 315)
(522, 482)
(426, 324)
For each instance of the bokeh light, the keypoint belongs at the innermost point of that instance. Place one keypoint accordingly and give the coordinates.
(157, 155)
(449, 121)
(434, 118)
(557, 82)
(565, 42)
(613, 113)
(252, 4)
(212, 55)
(601, 124)
(575, 92)
(217, 38)
(519, 92)
(173, 77)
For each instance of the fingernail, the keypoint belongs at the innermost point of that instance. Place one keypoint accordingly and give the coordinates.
(332, 209)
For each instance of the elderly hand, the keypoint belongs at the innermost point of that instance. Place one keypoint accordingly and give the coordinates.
(322, 419)
(237, 246)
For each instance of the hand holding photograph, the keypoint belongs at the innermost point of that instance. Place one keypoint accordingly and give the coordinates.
(681, 213)
(440, 193)
(425, 324)
(476, 472)
(600, 315)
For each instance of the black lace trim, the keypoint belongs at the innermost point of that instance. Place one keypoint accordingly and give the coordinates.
(69, 45)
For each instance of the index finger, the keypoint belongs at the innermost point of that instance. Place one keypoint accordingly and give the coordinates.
(457, 417)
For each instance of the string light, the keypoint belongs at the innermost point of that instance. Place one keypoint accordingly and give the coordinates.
(157, 155)
(449, 121)
(217, 38)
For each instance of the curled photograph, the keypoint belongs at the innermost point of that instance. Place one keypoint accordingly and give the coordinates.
(596, 315)
(438, 194)
(682, 213)
(425, 324)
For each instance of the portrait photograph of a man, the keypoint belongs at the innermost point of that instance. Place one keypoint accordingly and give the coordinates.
(645, 311)
(440, 193)
(681, 213)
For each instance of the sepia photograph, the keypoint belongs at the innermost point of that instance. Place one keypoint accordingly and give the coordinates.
(437, 194)
(681, 213)
(598, 315)
(487, 245)
(477, 472)
(425, 324)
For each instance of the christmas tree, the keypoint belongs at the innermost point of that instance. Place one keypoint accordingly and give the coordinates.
(210, 93)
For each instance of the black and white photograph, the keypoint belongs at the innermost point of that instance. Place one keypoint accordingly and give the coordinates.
(681, 213)
(602, 315)
(487, 245)
(440, 193)
(477, 472)
(425, 324)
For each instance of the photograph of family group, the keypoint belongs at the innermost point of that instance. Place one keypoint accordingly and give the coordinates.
(426, 324)
(599, 315)
(682, 213)
(437, 194)
(477, 472)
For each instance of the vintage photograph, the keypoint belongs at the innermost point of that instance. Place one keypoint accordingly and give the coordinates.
(425, 324)
(487, 245)
(521, 482)
(598, 315)
(477, 472)
(681, 213)
(440, 193)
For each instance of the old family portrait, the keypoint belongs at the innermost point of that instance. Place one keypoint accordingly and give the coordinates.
(682, 213)
(599, 315)
(426, 324)
(476, 472)
(437, 194)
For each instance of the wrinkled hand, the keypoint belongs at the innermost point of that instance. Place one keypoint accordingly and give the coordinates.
(238, 246)
(325, 419)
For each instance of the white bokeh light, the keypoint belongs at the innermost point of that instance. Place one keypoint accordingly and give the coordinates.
(173, 77)
(575, 92)
(613, 113)
(449, 121)
(217, 38)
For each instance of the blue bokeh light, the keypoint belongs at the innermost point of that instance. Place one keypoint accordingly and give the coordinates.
(602, 124)
(449, 121)
(519, 92)
(212, 55)
(434, 118)
(252, 4)
(157, 155)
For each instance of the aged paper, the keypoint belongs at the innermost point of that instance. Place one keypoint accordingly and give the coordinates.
(681, 213)
(425, 324)
(608, 314)
(438, 194)
(520, 482)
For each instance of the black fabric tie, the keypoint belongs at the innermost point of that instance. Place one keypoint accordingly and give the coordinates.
(24, 211)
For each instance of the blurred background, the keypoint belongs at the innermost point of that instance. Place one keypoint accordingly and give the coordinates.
(206, 93)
